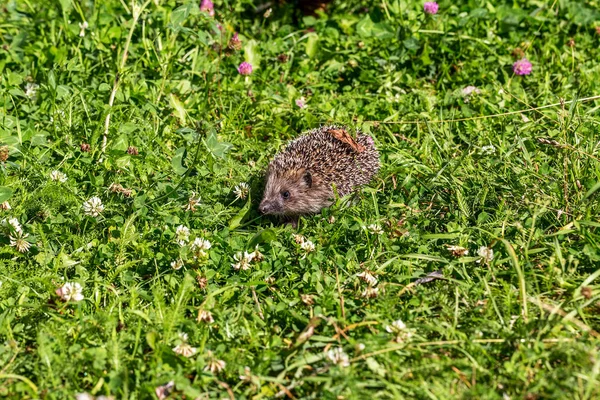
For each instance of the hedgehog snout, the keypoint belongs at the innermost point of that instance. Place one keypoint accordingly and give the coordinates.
(263, 208)
(268, 207)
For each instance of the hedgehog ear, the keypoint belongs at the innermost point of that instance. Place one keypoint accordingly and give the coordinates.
(308, 178)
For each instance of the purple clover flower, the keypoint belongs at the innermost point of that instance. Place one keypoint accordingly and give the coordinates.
(431, 7)
(301, 102)
(245, 68)
(207, 6)
(235, 43)
(522, 67)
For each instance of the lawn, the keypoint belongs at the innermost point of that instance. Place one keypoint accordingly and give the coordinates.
(134, 263)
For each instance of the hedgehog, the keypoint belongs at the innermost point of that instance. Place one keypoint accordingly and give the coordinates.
(301, 179)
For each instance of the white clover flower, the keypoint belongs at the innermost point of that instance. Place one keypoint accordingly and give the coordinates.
(177, 264)
(307, 299)
(241, 191)
(213, 364)
(488, 150)
(247, 376)
(5, 206)
(31, 89)
(396, 326)
(458, 251)
(182, 235)
(368, 277)
(205, 316)
(399, 329)
(58, 176)
(83, 26)
(193, 201)
(17, 240)
(116, 188)
(338, 357)
(370, 292)
(183, 336)
(301, 102)
(202, 282)
(375, 229)
(270, 280)
(307, 246)
(242, 261)
(84, 396)
(162, 392)
(200, 247)
(299, 239)
(13, 224)
(468, 92)
(70, 291)
(257, 255)
(185, 350)
(486, 254)
(93, 207)
(200, 244)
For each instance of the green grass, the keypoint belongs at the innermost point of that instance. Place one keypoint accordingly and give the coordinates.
(522, 326)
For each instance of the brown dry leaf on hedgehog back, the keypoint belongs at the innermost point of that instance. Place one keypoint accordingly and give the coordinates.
(343, 136)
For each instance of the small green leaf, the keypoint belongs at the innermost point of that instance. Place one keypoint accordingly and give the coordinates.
(251, 53)
(593, 190)
(178, 108)
(52, 79)
(365, 27)
(217, 149)
(382, 31)
(309, 20)
(123, 162)
(140, 201)
(411, 43)
(179, 15)
(128, 127)
(150, 336)
(177, 161)
(5, 193)
(39, 139)
(264, 236)
(121, 143)
(14, 79)
(312, 45)
(66, 6)
(237, 220)
(375, 366)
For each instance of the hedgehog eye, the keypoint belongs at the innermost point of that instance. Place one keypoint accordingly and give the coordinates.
(285, 195)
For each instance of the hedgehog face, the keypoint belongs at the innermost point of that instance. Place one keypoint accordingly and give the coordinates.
(289, 193)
